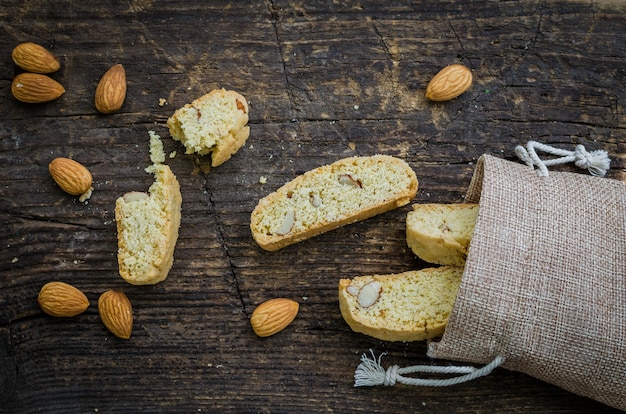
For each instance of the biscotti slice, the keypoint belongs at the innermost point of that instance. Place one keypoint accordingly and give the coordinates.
(215, 123)
(441, 233)
(147, 225)
(331, 196)
(409, 306)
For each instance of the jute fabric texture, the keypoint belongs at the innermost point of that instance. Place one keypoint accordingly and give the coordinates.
(545, 280)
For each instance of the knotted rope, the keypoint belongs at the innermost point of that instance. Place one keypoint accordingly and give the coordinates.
(596, 162)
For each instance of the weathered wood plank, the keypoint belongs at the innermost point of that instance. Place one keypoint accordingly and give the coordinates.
(324, 80)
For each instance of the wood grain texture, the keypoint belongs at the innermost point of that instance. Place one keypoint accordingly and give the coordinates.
(324, 80)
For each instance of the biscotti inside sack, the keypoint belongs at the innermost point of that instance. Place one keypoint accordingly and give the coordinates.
(441, 233)
(409, 306)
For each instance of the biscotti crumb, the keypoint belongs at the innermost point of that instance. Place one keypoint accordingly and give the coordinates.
(262, 180)
(157, 154)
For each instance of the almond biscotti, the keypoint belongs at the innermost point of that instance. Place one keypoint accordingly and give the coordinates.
(441, 233)
(322, 199)
(215, 123)
(148, 223)
(409, 306)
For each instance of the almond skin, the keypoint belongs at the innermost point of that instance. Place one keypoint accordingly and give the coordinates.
(36, 88)
(273, 316)
(62, 300)
(35, 58)
(449, 83)
(116, 313)
(73, 177)
(111, 90)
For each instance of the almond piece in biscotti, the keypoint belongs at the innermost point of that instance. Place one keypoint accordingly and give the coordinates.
(369, 294)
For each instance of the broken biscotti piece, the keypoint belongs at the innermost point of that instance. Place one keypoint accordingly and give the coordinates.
(147, 224)
(409, 306)
(441, 233)
(331, 196)
(214, 123)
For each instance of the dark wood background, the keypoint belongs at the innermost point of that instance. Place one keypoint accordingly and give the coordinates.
(325, 80)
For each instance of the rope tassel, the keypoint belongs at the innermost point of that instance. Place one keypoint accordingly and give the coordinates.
(596, 162)
(370, 373)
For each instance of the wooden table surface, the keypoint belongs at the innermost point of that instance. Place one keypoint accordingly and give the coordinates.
(325, 80)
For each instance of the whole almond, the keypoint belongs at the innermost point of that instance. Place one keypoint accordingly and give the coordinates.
(62, 300)
(116, 313)
(273, 316)
(111, 90)
(73, 177)
(35, 58)
(36, 88)
(449, 83)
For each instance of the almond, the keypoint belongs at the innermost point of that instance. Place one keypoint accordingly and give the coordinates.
(273, 316)
(133, 196)
(369, 294)
(35, 58)
(287, 224)
(116, 313)
(62, 300)
(36, 88)
(111, 90)
(449, 83)
(347, 179)
(73, 177)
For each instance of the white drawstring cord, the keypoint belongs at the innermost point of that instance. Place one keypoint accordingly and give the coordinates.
(596, 162)
(370, 372)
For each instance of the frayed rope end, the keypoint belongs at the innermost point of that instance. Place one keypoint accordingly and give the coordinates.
(370, 372)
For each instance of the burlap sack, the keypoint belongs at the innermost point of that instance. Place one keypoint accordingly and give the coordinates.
(545, 280)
